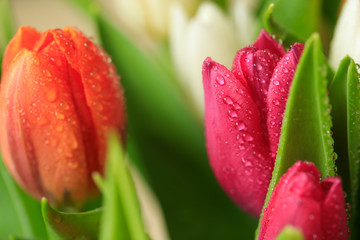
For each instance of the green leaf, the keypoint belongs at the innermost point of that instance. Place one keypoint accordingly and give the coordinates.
(290, 233)
(62, 225)
(330, 9)
(345, 101)
(122, 215)
(271, 26)
(296, 18)
(23, 214)
(305, 133)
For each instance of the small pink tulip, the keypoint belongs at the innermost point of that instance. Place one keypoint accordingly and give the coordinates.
(301, 200)
(243, 116)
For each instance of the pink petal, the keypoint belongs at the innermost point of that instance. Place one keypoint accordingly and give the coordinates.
(278, 93)
(265, 41)
(238, 152)
(256, 67)
(296, 201)
(334, 214)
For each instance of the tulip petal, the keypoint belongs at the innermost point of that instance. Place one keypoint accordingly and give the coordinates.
(296, 201)
(278, 93)
(25, 37)
(333, 211)
(256, 67)
(45, 119)
(236, 146)
(266, 42)
(97, 86)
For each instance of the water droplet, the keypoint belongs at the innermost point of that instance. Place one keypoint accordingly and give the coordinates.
(233, 114)
(72, 164)
(36, 61)
(248, 137)
(276, 82)
(51, 94)
(276, 102)
(236, 106)
(47, 73)
(59, 115)
(240, 126)
(228, 100)
(98, 106)
(248, 164)
(96, 87)
(220, 80)
(59, 128)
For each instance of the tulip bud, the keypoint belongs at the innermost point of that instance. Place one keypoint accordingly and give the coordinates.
(302, 201)
(243, 117)
(60, 95)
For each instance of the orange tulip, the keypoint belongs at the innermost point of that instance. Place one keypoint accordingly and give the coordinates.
(60, 95)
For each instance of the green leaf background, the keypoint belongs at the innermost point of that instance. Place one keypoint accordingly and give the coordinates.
(345, 101)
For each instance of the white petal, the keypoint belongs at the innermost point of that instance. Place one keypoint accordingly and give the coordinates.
(347, 34)
(212, 34)
(131, 14)
(244, 21)
(177, 30)
(157, 13)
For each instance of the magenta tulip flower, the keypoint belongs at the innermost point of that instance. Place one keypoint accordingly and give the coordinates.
(243, 115)
(302, 201)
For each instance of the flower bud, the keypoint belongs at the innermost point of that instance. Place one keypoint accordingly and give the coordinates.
(243, 115)
(302, 201)
(60, 95)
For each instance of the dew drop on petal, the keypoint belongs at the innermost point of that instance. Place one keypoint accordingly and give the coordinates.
(276, 102)
(51, 94)
(248, 137)
(248, 164)
(228, 100)
(59, 116)
(72, 164)
(240, 126)
(220, 80)
(233, 114)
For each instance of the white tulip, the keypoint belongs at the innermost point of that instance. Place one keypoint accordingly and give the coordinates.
(346, 40)
(210, 33)
(147, 16)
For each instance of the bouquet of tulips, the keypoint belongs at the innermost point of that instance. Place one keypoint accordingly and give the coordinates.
(181, 119)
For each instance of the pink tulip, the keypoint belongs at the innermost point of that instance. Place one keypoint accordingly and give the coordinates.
(243, 116)
(301, 200)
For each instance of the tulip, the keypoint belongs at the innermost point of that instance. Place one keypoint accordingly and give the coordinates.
(347, 34)
(60, 95)
(243, 116)
(149, 17)
(209, 33)
(302, 201)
